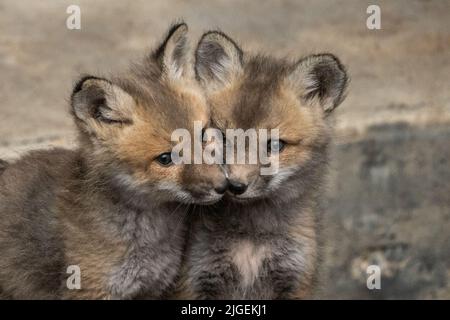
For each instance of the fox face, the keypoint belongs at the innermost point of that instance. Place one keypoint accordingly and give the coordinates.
(125, 125)
(259, 92)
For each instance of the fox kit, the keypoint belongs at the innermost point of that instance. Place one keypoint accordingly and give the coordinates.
(262, 241)
(114, 207)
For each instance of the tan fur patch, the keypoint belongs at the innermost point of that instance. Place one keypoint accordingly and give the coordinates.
(296, 121)
(302, 127)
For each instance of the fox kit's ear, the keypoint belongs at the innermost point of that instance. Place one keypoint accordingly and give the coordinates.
(320, 77)
(96, 102)
(218, 60)
(172, 54)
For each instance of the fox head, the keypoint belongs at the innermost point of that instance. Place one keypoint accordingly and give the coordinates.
(125, 125)
(260, 92)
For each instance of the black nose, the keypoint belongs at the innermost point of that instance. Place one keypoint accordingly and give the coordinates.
(236, 187)
(222, 188)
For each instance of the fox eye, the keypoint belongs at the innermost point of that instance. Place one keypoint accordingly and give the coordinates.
(165, 159)
(275, 146)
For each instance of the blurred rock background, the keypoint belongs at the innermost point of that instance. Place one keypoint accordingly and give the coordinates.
(389, 190)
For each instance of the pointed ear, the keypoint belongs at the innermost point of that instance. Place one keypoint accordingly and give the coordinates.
(96, 102)
(320, 78)
(218, 60)
(172, 54)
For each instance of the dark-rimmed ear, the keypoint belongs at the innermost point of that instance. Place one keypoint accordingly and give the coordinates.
(98, 101)
(322, 78)
(172, 54)
(218, 60)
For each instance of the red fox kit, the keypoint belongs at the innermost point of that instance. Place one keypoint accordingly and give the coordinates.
(262, 241)
(114, 207)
